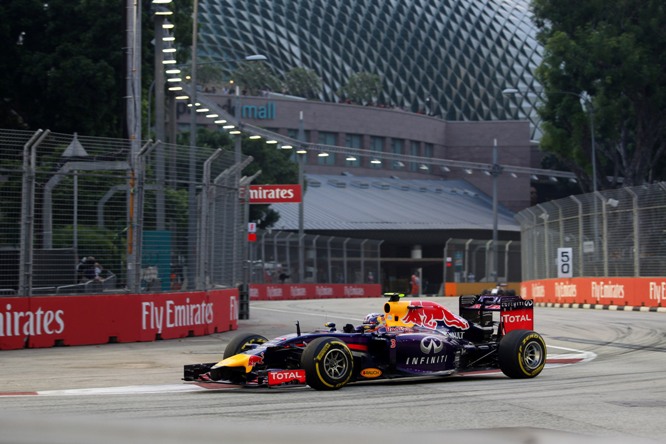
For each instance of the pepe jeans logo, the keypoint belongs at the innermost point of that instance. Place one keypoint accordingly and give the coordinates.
(431, 345)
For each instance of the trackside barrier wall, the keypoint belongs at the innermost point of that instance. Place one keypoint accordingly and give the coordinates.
(263, 292)
(48, 321)
(459, 289)
(618, 291)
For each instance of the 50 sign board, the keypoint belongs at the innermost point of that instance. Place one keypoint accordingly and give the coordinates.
(564, 262)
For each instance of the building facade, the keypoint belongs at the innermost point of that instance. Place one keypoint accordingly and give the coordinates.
(446, 58)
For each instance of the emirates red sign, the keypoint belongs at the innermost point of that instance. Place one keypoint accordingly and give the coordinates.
(267, 194)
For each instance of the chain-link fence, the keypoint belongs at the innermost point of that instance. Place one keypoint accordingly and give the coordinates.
(88, 215)
(84, 214)
(276, 258)
(471, 260)
(613, 233)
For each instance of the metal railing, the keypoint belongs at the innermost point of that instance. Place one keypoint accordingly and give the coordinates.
(611, 233)
(77, 216)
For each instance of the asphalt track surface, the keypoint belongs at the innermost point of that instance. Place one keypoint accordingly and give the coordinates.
(605, 382)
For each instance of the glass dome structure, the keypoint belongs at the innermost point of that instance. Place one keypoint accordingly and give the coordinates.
(447, 58)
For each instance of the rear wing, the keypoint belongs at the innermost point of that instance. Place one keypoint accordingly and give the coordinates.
(514, 313)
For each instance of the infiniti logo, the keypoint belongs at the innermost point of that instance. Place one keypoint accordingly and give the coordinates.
(431, 344)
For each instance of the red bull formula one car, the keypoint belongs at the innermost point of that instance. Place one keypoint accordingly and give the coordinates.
(409, 339)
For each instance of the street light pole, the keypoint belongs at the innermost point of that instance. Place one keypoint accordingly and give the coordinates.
(495, 171)
(160, 133)
(192, 189)
(300, 158)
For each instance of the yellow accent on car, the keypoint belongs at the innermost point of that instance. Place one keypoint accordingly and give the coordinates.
(240, 360)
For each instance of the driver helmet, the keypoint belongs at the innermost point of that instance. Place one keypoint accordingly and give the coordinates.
(373, 320)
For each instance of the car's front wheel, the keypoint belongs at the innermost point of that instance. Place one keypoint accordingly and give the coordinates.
(522, 354)
(243, 342)
(328, 363)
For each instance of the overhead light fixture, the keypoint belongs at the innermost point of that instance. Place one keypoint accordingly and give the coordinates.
(234, 132)
(573, 180)
(174, 79)
(220, 121)
(351, 158)
(168, 25)
(169, 38)
(168, 50)
(212, 116)
(164, 12)
(183, 97)
(446, 169)
(168, 62)
(553, 179)
(423, 166)
(301, 151)
(514, 175)
(255, 137)
(399, 164)
(271, 142)
(161, 2)
(468, 171)
(203, 110)
(172, 71)
(228, 127)
(323, 154)
(486, 172)
(175, 88)
(286, 147)
(534, 177)
(376, 161)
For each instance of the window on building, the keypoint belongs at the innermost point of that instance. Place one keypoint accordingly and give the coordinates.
(397, 147)
(353, 141)
(414, 150)
(377, 146)
(324, 157)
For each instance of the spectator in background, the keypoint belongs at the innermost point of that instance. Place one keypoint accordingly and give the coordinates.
(415, 285)
(86, 269)
(98, 271)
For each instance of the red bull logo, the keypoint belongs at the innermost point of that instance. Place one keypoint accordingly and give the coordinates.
(427, 314)
(255, 360)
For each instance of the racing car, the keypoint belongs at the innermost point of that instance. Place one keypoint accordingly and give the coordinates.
(411, 338)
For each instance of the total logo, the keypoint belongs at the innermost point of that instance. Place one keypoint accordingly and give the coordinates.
(281, 377)
(512, 319)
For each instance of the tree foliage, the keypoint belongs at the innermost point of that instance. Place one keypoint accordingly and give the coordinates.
(276, 167)
(361, 88)
(63, 66)
(253, 77)
(612, 53)
(303, 82)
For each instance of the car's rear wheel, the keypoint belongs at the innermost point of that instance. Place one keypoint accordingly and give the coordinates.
(522, 354)
(243, 342)
(328, 363)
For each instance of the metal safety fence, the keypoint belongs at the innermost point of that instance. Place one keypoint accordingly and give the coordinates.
(82, 214)
(471, 260)
(613, 233)
(276, 258)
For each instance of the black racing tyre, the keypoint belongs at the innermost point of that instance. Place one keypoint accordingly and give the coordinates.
(522, 354)
(328, 363)
(241, 343)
